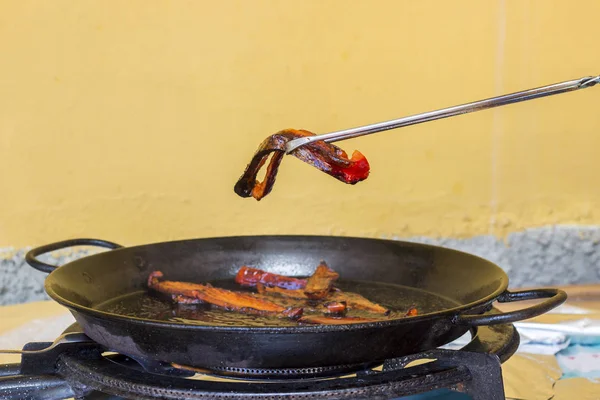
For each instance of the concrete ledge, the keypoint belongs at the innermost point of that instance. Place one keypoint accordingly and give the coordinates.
(20, 283)
(548, 256)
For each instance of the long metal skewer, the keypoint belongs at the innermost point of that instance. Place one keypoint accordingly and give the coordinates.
(543, 91)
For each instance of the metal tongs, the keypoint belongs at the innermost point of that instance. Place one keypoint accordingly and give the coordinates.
(557, 88)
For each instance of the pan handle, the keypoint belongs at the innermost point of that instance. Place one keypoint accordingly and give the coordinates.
(555, 297)
(31, 255)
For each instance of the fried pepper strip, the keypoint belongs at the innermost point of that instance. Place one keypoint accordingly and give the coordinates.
(248, 276)
(229, 300)
(324, 156)
(320, 282)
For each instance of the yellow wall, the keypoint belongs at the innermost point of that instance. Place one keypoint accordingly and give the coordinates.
(132, 120)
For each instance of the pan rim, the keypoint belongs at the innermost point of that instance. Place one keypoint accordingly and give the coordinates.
(445, 313)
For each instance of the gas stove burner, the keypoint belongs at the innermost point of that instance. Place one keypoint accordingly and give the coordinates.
(274, 373)
(233, 373)
(87, 371)
(480, 378)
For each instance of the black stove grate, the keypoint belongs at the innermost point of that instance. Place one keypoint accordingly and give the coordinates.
(478, 378)
(86, 372)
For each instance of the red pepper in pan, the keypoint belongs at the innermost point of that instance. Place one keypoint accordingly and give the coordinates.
(248, 276)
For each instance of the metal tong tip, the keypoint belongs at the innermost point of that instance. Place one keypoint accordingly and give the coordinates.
(589, 81)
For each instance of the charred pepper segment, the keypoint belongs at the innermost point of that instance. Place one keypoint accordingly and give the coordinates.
(320, 282)
(248, 276)
(227, 299)
(324, 156)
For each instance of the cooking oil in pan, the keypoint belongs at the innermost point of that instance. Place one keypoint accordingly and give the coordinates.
(146, 305)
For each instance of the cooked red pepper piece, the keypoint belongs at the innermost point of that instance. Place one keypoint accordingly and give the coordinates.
(324, 156)
(247, 276)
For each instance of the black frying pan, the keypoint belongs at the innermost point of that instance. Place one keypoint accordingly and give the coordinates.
(451, 289)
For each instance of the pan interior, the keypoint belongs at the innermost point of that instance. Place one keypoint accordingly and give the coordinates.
(393, 273)
(397, 298)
